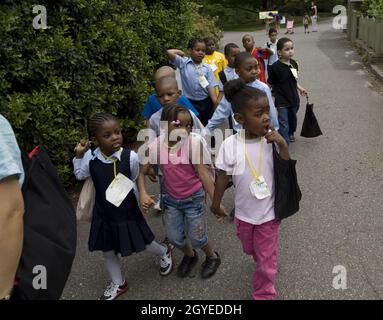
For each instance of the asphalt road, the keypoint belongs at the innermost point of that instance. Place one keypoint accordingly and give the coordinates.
(341, 218)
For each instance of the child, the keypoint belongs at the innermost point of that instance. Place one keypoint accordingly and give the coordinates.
(231, 50)
(185, 178)
(272, 45)
(153, 104)
(261, 54)
(118, 225)
(290, 26)
(215, 59)
(167, 93)
(198, 81)
(283, 77)
(246, 67)
(306, 21)
(249, 159)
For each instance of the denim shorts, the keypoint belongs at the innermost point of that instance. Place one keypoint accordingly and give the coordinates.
(186, 218)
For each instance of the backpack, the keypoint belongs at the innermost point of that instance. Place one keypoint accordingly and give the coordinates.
(49, 243)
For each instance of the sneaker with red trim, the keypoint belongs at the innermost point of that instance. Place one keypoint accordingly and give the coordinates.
(113, 291)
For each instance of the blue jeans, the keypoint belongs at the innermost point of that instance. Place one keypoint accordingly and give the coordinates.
(287, 118)
(186, 218)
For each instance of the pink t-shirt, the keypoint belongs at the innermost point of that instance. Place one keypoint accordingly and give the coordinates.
(231, 158)
(181, 179)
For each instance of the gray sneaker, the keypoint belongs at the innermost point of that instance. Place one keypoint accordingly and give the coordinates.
(113, 291)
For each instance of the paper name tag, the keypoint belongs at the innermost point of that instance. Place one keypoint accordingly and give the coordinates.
(259, 188)
(294, 72)
(213, 66)
(202, 81)
(119, 189)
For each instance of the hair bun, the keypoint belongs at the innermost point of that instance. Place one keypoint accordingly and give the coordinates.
(231, 88)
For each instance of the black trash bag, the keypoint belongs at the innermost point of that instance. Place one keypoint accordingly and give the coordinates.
(287, 191)
(49, 232)
(310, 127)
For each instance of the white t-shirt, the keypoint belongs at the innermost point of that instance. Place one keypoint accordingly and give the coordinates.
(273, 58)
(231, 158)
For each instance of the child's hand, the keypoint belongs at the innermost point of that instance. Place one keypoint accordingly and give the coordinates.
(81, 148)
(146, 201)
(302, 91)
(220, 212)
(274, 136)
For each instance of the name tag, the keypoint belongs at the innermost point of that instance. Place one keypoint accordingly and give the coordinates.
(259, 188)
(294, 72)
(119, 189)
(202, 81)
(213, 67)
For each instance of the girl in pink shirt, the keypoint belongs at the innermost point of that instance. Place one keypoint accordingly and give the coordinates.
(179, 153)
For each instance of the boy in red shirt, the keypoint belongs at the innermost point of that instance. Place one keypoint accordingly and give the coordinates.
(261, 54)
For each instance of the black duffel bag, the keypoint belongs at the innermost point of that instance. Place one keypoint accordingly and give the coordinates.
(287, 191)
(49, 244)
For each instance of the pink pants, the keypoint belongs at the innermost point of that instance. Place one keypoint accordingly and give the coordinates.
(261, 241)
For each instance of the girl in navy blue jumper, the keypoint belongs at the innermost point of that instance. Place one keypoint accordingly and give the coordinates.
(118, 225)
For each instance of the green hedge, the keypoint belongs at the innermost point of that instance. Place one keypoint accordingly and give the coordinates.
(373, 8)
(96, 55)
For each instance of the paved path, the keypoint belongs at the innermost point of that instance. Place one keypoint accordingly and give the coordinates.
(341, 216)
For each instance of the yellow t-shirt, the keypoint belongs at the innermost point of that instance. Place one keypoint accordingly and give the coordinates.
(217, 62)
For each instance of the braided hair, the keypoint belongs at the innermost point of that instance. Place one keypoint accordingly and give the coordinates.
(95, 122)
(171, 111)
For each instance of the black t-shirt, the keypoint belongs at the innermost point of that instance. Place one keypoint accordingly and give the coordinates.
(284, 84)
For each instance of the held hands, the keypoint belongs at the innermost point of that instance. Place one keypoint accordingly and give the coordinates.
(81, 148)
(146, 201)
(219, 211)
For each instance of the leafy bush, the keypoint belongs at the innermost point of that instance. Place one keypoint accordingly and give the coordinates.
(96, 55)
(373, 8)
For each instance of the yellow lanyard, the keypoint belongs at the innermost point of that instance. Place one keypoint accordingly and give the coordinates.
(256, 176)
(200, 73)
(110, 158)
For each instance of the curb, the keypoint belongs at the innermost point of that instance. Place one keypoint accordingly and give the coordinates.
(378, 71)
(370, 58)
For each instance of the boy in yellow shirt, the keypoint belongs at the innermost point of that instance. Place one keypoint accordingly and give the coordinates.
(215, 59)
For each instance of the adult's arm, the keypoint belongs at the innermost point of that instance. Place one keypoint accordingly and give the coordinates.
(11, 231)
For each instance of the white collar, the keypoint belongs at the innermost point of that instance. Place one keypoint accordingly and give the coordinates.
(101, 156)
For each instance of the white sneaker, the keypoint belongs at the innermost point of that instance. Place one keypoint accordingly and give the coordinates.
(166, 262)
(113, 291)
(157, 206)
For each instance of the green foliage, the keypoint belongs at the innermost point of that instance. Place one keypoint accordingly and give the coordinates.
(245, 13)
(373, 8)
(96, 55)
